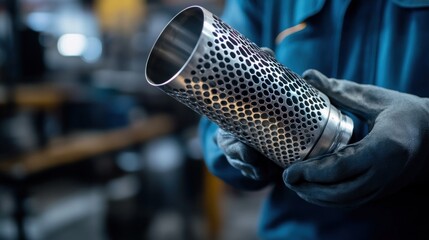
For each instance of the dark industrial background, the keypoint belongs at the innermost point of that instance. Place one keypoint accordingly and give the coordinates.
(88, 150)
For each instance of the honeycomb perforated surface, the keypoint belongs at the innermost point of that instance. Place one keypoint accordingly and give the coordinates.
(247, 92)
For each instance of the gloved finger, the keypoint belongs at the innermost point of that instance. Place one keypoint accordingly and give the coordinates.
(344, 164)
(268, 50)
(230, 145)
(235, 149)
(348, 204)
(364, 100)
(351, 190)
(224, 138)
(246, 169)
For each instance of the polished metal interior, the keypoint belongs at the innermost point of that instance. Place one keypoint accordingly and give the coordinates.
(213, 69)
(175, 46)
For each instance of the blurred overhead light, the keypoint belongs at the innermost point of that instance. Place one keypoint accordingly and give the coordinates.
(93, 50)
(72, 44)
(39, 21)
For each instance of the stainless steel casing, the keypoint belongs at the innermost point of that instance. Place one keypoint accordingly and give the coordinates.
(219, 73)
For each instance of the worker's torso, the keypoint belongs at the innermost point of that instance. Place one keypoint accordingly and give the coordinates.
(381, 42)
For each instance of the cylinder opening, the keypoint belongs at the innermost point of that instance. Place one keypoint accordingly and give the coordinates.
(174, 46)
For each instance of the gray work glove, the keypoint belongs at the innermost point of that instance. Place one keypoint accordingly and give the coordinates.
(249, 161)
(393, 155)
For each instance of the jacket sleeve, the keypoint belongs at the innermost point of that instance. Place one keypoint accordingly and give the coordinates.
(245, 17)
(216, 161)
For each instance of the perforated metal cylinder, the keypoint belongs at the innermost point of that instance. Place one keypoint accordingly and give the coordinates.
(202, 62)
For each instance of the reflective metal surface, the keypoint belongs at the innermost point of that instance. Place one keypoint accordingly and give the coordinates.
(213, 69)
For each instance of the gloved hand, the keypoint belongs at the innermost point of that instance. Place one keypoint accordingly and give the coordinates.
(394, 154)
(249, 161)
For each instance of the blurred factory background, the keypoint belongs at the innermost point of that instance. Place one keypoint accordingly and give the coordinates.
(88, 150)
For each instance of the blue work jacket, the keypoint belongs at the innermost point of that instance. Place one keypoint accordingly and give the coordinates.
(380, 42)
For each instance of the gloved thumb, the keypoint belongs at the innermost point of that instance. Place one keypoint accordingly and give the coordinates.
(268, 51)
(364, 100)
